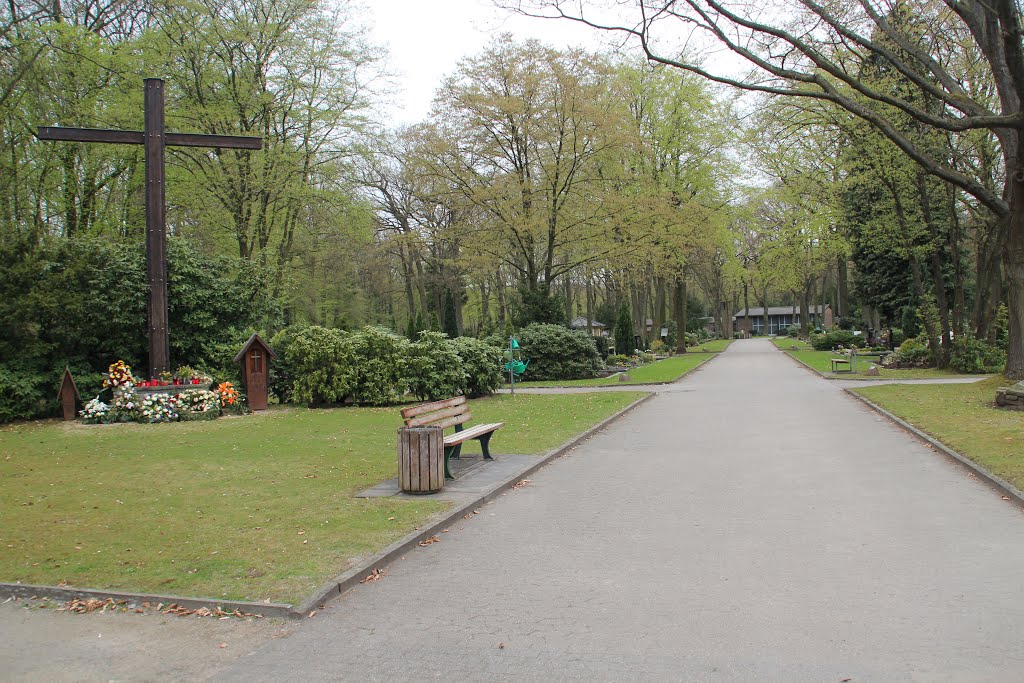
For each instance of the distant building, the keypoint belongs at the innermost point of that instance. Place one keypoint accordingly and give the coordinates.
(779, 318)
(598, 329)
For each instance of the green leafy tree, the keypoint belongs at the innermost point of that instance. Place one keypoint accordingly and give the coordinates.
(625, 343)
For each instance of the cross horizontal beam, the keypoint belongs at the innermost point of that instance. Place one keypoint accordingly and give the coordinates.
(135, 137)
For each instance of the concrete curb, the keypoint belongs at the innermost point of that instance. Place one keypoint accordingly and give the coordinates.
(25, 590)
(351, 578)
(333, 588)
(638, 385)
(995, 482)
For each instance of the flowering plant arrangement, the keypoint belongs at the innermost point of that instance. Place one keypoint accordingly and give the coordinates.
(95, 411)
(119, 377)
(228, 394)
(158, 408)
(200, 401)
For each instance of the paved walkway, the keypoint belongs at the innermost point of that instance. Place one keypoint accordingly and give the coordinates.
(752, 522)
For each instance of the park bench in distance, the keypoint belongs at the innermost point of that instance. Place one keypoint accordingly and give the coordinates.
(452, 412)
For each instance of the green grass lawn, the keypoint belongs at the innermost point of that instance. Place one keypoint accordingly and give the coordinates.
(665, 370)
(713, 346)
(963, 417)
(253, 508)
(788, 344)
(821, 361)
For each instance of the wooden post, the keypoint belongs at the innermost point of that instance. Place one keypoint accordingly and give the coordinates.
(156, 228)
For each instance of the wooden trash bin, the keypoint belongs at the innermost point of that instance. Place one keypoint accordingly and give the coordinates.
(420, 459)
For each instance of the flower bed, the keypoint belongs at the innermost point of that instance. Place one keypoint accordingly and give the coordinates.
(186, 397)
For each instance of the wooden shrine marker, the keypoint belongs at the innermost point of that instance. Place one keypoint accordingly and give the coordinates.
(154, 138)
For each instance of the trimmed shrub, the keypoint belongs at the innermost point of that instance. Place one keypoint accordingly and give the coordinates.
(314, 360)
(556, 352)
(912, 353)
(602, 346)
(481, 363)
(976, 356)
(433, 367)
(836, 337)
(374, 362)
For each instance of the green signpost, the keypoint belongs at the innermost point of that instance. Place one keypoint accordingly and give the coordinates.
(514, 364)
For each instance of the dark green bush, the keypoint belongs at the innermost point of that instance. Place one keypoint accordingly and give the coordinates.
(26, 393)
(556, 352)
(314, 357)
(81, 302)
(374, 365)
(976, 356)
(482, 364)
(433, 367)
(912, 353)
(601, 343)
(836, 337)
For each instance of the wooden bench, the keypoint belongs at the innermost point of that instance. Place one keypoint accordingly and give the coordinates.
(452, 412)
(839, 362)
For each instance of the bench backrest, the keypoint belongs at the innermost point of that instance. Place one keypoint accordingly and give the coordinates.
(443, 414)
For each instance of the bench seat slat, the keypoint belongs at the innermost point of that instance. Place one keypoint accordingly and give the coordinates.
(435, 405)
(472, 433)
(436, 416)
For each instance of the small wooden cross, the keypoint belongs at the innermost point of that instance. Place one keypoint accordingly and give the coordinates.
(154, 138)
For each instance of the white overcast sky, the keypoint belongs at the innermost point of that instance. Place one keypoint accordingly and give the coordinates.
(427, 38)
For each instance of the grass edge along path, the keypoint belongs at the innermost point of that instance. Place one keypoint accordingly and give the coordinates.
(664, 371)
(820, 363)
(255, 508)
(964, 418)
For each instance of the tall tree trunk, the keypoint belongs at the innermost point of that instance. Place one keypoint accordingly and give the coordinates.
(485, 303)
(590, 305)
(805, 309)
(659, 307)
(843, 305)
(936, 266)
(764, 312)
(499, 290)
(1013, 269)
(746, 306)
(679, 312)
(926, 320)
(988, 276)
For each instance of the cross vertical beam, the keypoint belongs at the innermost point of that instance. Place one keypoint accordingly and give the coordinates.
(156, 227)
(153, 138)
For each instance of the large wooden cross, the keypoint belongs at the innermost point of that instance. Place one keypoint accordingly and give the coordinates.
(154, 138)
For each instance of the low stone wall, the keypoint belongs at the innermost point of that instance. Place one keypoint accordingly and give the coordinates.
(1011, 397)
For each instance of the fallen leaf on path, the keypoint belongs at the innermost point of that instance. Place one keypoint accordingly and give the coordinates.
(311, 614)
(223, 645)
(428, 541)
(373, 576)
(521, 483)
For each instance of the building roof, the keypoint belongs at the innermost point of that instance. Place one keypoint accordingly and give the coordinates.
(775, 310)
(582, 322)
